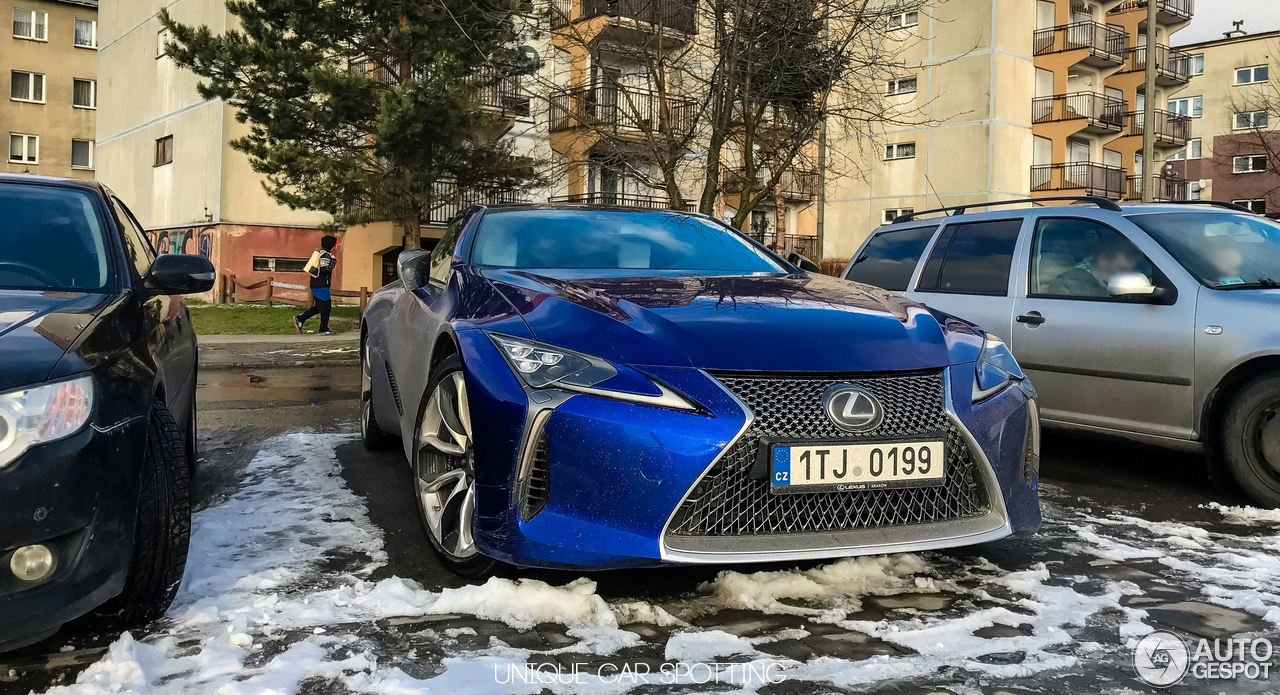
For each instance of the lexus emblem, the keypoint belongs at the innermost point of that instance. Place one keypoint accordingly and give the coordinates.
(852, 408)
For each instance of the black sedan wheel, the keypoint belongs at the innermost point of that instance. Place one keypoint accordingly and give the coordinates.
(444, 472)
(1251, 439)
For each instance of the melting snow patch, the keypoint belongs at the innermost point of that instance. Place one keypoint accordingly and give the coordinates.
(1245, 515)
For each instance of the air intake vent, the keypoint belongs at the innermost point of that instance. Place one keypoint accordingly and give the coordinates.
(395, 389)
(538, 490)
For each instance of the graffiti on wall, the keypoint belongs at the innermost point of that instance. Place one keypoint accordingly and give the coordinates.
(193, 241)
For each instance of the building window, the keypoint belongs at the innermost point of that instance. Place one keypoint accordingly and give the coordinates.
(27, 86)
(1194, 190)
(1257, 205)
(84, 93)
(268, 264)
(86, 33)
(24, 149)
(902, 20)
(1249, 164)
(164, 151)
(1250, 120)
(1197, 64)
(1191, 151)
(30, 24)
(902, 150)
(905, 85)
(891, 214)
(162, 40)
(81, 154)
(1253, 75)
(1187, 106)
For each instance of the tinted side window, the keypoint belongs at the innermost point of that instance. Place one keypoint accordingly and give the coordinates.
(442, 254)
(972, 258)
(136, 245)
(890, 257)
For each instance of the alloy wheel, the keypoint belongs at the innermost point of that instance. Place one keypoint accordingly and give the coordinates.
(444, 468)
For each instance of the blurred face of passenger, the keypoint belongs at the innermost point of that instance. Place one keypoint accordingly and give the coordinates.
(1226, 261)
(1108, 264)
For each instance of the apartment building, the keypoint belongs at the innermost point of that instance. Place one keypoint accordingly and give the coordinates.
(50, 61)
(1233, 145)
(966, 90)
(1088, 108)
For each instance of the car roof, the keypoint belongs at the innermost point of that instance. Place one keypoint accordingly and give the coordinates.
(504, 207)
(1126, 209)
(36, 180)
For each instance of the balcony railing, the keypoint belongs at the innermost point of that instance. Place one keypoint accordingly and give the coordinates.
(612, 108)
(806, 246)
(626, 200)
(1103, 41)
(1099, 110)
(677, 15)
(1170, 10)
(505, 94)
(451, 201)
(1170, 128)
(1173, 66)
(1092, 178)
(792, 185)
(1163, 187)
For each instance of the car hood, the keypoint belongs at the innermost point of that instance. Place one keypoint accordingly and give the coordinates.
(36, 328)
(728, 322)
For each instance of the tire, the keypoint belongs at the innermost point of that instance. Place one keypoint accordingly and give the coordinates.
(162, 529)
(1251, 439)
(371, 435)
(456, 471)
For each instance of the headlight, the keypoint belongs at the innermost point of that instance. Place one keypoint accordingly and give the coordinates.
(546, 366)
(42, 414)
(996, 369)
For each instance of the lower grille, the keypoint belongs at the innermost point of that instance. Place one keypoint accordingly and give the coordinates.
(539, 488)
(729, 502)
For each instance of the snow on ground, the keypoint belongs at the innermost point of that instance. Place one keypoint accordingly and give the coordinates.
(278, 594)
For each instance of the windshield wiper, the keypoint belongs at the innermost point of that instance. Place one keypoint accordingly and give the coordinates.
(1260, 282)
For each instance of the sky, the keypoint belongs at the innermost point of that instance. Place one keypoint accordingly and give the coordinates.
(1213, 17)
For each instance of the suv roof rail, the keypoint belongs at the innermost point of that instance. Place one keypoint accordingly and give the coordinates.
(1103, 203)
(1215, 203)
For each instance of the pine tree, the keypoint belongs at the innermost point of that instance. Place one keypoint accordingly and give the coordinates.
(364, 109)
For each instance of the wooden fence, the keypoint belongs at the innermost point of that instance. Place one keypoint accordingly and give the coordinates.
(268, 292)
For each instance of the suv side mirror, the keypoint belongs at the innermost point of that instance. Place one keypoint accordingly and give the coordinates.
(803, 263)
(1131, 286)
(409, 268)
(176, 273)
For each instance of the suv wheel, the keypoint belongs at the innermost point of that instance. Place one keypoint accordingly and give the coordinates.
(1251, 439)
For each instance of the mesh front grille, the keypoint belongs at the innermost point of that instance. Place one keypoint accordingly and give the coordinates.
(539, 490)
(729, 502)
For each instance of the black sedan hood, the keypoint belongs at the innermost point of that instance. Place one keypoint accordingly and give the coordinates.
(36, 328)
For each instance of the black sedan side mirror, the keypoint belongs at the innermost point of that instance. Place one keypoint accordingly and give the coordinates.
(803, 263)
(175, 273)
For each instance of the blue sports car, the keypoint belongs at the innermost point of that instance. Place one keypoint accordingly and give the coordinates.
(593, 387)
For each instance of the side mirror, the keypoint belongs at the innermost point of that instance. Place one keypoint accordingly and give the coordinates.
(409, 268)
(803, 263)
(175, 273)
(1130, 285)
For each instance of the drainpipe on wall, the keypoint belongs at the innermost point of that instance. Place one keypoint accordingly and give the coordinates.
(1145, 180)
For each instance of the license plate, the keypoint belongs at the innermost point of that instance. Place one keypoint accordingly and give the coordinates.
(840, 467)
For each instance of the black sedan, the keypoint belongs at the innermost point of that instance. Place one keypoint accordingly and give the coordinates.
(97, 410)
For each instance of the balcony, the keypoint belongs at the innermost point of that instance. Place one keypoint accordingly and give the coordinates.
(504, 94)
(676, 15)
(613, 109)
(1101, 113)
(1105, 44)
(625, 200)
(1092, 178)
(797, 185)
(451, 201)
(1170, 128)
(1173, 66)
(1168, 11)
(806, 246)
(1165, 188)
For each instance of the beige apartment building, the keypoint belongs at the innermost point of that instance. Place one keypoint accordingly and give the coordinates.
(49, 61)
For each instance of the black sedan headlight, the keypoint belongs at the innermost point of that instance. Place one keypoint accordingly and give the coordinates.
(41, 414)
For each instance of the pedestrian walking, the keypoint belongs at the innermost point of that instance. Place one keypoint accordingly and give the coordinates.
(320, 268)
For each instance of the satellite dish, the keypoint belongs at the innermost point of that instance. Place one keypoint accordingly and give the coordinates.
(527, 62)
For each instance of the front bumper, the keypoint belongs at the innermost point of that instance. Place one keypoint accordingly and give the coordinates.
(617, 475)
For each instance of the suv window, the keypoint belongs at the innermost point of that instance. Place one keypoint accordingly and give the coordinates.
(1075, 258)
(136, 245)
(972, 258)
(888, 260)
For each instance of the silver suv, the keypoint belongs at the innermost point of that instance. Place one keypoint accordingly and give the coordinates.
(1157, 323)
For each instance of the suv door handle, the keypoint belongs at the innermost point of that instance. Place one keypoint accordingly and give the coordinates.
(1031, 319)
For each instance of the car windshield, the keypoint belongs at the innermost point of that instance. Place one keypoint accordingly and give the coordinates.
(50, 239)
(1223, 251)
(614, 240)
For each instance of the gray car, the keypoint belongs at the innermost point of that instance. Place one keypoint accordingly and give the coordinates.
(1157, 323)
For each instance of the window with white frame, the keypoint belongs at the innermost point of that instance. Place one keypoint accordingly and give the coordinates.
(904, 85)
(1197, 64)
(162, 39)
(82, 154)
(1191, 151)
(1194, 191)
(86, 33)
(84, 93)
(1253, 75)
(891, 214)
(901, 150)
(24, 149)
(1192, 107)
(26, 86)
(1250, 120)
(30, 24)
(1255, 205)
(902, 20)
(1249, 164)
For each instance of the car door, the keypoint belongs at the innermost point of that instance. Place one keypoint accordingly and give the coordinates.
(1099, 361)
(967, 272)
